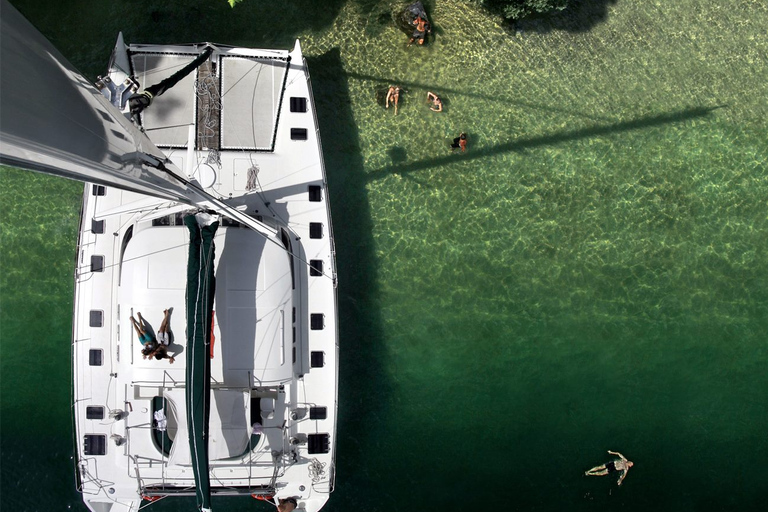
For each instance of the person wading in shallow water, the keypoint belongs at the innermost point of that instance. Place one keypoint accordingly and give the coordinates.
(393, 95)
(620, 465)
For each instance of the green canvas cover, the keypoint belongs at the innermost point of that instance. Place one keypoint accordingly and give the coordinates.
(200, 294)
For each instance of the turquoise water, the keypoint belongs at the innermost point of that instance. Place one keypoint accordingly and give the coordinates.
(590, 275)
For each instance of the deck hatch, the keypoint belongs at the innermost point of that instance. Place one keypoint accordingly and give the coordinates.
(95, 444)
(317, 359)
(318, 443)
(96, 318)
(94, 412)
(299, 134)
(97, 263)
(318, 413)
(315, 193)
(97, 226)
(315, 267)
(99, 190)
(317, 321)
(298, 104)
(95, 357)
(315, 230)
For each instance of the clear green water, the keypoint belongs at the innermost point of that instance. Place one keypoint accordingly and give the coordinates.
(590, 275)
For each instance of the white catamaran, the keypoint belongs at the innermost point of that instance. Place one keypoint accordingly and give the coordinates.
(208, 201)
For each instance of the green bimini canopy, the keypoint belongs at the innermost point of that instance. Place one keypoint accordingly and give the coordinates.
(200, 294)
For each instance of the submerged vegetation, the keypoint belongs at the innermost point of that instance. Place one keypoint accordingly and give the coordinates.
(516, 9)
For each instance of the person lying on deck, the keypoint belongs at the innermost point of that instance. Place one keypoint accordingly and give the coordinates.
(141, 329)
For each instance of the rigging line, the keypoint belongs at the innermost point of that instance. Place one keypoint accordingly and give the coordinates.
(250, 155)
(261, 64)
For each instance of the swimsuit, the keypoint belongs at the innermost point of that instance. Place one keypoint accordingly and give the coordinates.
(163, 338)
(145, 338)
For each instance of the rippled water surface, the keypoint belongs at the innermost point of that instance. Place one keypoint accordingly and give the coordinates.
(589, 275)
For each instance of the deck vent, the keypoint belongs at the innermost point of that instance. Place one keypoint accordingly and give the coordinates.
(298, 104)
(315, 267)
(318, 443)
(97, 263)
(298, 134)
(318, 413)
(317, 359)
(317, 321)
(315, 230)
(95, 357)
(315, 193)
(99, 190)
(96, 318)
(95, 444)
(97, 226)
(94, 412)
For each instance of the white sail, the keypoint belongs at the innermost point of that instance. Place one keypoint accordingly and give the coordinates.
(54, 121)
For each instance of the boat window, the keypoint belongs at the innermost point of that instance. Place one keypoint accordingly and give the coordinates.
(298, 104)
(286, 239)
(315, 230)
(95, 357)
(318, 413)
(96, 318)
(176, 219)
(94, 412)
(315, 267)
(318, 443)
(95, 444)
(317, 321)
(97, 226)
(315, 193)
(97, 263)
(298, 134)
(99, 190)
(317, 359)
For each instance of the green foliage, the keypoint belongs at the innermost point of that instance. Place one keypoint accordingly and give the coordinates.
(516, 9)
(233, 2)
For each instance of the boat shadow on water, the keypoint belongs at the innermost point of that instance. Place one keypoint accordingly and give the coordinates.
(364, 387)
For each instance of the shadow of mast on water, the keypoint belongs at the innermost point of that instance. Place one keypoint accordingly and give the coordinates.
(544, 140)
(439, 90)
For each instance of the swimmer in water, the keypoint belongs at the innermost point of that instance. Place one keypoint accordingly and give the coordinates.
(619, 465)
(393, 95)
(437, 103)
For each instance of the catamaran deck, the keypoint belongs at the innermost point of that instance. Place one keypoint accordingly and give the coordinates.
(275, 351)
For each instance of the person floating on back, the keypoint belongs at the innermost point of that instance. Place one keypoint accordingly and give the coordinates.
(437, 103)
(460, 142)
(619, 465)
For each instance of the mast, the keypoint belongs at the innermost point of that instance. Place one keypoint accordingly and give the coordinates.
(53, 120)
